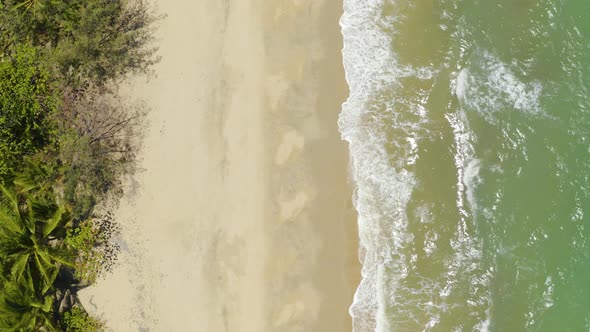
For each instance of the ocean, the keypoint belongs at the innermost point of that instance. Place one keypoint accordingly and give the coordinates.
(468, 124)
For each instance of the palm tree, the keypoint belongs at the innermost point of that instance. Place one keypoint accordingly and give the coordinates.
(24, 308)
(30, 238)
(32, 254)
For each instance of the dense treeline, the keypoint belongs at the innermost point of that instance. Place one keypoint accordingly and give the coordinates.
(67, 142)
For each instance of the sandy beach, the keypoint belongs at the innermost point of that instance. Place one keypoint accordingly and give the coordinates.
(242, 220)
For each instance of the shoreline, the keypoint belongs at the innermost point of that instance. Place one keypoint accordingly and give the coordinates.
(320, 233)
(244, 218)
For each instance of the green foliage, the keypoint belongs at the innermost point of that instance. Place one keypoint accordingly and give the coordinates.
(77, 320)
(107, 40)
(30, 233)
(100, 40)
(82, 187)
(92, 242)
(89, 175)
(98, 143)
(70, 140)
(25, 308)
(26, 103)
(38, 241)
(31, 254)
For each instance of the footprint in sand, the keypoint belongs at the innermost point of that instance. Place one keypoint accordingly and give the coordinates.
(288, 314)
(276, 88)
(302, 302)
(290, 209)
(291, 143)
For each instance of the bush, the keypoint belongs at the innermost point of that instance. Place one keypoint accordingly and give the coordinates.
(107, 40)
(100, 136)
(92, 242)
(100, 40)
(26, 105)
(77, 320)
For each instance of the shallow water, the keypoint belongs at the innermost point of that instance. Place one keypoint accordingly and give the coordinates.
(469, 130)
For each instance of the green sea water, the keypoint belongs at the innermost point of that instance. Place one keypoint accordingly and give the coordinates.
(469, 131)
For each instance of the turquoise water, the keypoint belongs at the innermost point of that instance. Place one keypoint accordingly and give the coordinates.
(469, 130)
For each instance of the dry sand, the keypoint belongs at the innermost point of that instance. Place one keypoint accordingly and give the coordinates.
(243, 220)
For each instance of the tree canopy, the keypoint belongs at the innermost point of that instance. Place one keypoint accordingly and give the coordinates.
(26, 106)
(96, 40)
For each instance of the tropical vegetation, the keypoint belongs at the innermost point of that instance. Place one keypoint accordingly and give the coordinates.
(68, 142)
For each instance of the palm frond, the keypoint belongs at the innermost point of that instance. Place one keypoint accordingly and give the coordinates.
(54, 221)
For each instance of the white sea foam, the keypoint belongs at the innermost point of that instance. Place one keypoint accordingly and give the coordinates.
(467, 251)
(382, 191)
(492, 86)
(385, 184)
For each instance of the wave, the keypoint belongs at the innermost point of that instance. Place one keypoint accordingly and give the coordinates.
(368, 68)
(467, 154)
(496, 87)
(384, 130)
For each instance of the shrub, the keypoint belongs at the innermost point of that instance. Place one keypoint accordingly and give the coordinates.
(101, 40)
(26, 103)
(92, 242)
(100, 136)
(78, 320)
